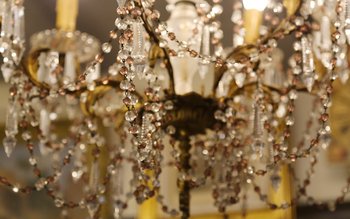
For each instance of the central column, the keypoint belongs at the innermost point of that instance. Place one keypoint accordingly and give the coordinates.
(184, 183)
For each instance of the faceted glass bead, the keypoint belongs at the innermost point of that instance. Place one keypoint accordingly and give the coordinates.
(125, 85)
(120, 24)
(168, 105)
(123, 54)
(106, 47)
(130, 116)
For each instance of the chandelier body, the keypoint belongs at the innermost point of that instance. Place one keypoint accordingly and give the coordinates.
(227, 112)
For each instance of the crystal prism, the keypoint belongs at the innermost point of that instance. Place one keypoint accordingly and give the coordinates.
(138, 47)
(240, 79)
(347, 21)
(18, 28)
(7, 72)
(308, 61)
(51, 63)
(93, 74)
(11, 120)
(326, 42)
(7, 21)
(121, 3)
(92, 207)
(42, 70)
(9, 143)
(257, 126)
(117, 184)
(308, 81)
(17, 51)
(203, 70)
(94, 177)
(275, 179)
(344, 76)
(206, 41)
(44, 122)
(69, 67)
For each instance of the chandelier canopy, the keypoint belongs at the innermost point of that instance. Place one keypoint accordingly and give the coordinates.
(173, 98)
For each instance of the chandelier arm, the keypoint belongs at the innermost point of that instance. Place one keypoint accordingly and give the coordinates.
(235, 90)
(155, 40)
(241, 53)
(101, 85)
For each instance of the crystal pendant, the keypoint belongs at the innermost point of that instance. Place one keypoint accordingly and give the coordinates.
(308, 61)
(42, 70)
(44, 122)
(258, 147)
(94, 177)
(69, 68)
(281, 110)
(344, 75)
(326, 42)
(308, 64)
(275, 180)
(51, 63)
(240, 79)
(44, 150)
(7, 71)
(205, 48)
(121, 3)
(9, 143)
(17, 50)
(308, 81)
(138, 44)
(117, 184)
(93, 205)
(93, 74)
(347, 21)
(6, 27)
(11, 120)
(7, 20)
(203, 70)
(18, 25)
(257, 126)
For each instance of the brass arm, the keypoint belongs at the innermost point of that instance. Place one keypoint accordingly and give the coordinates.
(241, 54)
(155, 40)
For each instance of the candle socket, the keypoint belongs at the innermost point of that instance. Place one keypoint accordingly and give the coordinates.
(66, 15)
(252, 21)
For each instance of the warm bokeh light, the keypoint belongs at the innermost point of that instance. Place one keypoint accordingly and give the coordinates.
(259, 5)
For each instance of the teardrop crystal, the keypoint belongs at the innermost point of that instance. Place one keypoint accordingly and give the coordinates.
(11, 120)
(9, 143)
(121, 3)
(69, 67)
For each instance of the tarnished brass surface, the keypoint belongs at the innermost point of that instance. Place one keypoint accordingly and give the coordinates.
(285, 28)
(154, 54)
(192, 114)
(291, 6)
(185, 185)
(32, 66)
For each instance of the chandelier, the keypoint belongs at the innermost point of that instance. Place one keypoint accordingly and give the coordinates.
(225, 114)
